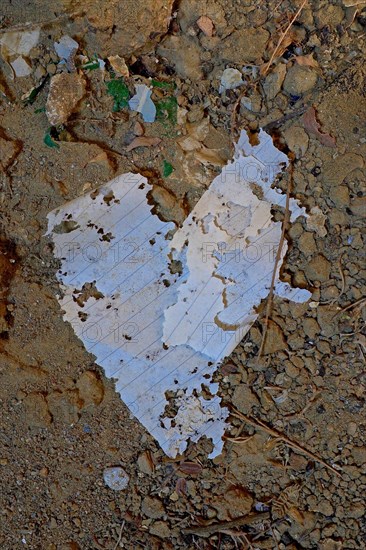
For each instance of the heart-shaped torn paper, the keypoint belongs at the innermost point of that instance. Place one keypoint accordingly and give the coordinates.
(161, 314)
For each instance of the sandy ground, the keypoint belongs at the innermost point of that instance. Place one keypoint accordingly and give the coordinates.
(299, 479)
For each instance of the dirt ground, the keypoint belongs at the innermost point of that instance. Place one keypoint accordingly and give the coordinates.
(293, 471)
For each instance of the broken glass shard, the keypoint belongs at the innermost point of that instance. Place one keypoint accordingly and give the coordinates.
(142, 103)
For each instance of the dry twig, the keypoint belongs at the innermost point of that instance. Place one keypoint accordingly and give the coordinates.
(234, 113)
(274, 433)
(313, 398)
(120, 535)
(267, 66)
(358, 303)
(240, 536)
(50, 22)
(208, 530)
(286, 221)
(343, 281)
(280, 121)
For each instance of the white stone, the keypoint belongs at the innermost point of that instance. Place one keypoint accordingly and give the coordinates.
(231, 78)
(116, 478)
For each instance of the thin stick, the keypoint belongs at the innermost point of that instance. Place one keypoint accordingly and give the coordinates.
(313, 398)
(234, 113)
(273, 537)
(120, 535)
(238, 439)
(29, 26)
(267, 65)
(238, 535)
(277, 123)
(207, 530)
(277, 261)
(350, 306)
(274, 10)
(250, 547)
(274, 433)
(342, 279)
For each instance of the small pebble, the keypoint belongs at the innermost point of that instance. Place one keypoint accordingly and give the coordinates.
(51, 68)
(116, 478)
(352, 429)
(231, 78)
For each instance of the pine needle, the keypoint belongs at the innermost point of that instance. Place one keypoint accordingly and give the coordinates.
(286, 221)
(120, 535)
(282, 437)
(358, 303)
(267, 66)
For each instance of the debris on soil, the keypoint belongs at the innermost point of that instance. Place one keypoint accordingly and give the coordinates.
(168, 169)
(21, 67)
(66, 49)
(286, 38)
(65, 93)
(142, 103)
(166, 111)
(231, 79)
(116, 478)
(119, 66)
(206, 25)
(120, 93)
(143, 141)
(49, 141)
(62, 419)
(16, 47)
(210, 278)
(312, 126)
(306, 60)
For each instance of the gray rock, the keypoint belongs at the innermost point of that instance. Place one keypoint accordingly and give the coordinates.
(307, 244)
(160, 529)
(65, 93)
(329, 15)
(231, 78)
(339, 196)
(152, 508)
(183, 53)
(244, 399)
(116, 478)
(310, 327)
(273, 82)
(245, 46)
(297, 140)
(318, 269)
(299, 80)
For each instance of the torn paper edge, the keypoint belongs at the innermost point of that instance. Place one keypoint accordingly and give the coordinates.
(142, 322)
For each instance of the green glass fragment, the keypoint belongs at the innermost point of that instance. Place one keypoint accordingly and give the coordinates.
(47, 140)
(91, 65)
(166, 85)
(166, 110)
(167, 169)
(120, 93)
